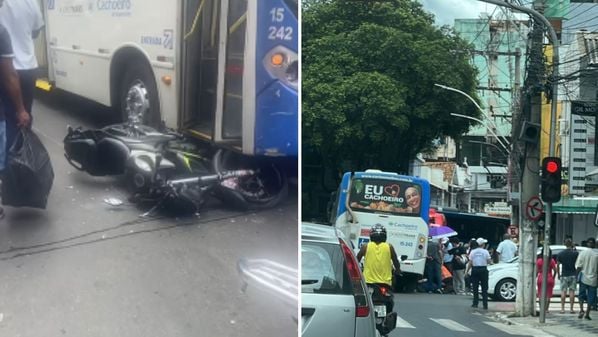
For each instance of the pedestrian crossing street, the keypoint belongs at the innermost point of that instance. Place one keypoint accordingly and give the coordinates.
(455, 326)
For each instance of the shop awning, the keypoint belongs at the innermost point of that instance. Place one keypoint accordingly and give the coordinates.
(577, 205)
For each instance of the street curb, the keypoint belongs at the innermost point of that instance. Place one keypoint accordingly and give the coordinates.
(505, 318)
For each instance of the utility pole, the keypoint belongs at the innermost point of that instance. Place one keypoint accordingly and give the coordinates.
(530, 172)
(532, 106)
(514, 171)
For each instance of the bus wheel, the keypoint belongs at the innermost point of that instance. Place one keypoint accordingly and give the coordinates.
(139, 96)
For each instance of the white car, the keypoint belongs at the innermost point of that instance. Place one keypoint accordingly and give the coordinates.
(502, 277)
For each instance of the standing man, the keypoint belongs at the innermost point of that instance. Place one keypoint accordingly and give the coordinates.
(11, 92)
(566, 264)
(433, 267)
(507, 249)
(447, 259)
(587, 264)
(479, 258)
(23, 20)
(459, 264)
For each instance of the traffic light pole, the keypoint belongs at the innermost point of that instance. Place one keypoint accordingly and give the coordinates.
(551, 145)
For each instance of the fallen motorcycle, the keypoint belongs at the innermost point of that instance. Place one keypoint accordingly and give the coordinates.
(383, 302)
(173, 172)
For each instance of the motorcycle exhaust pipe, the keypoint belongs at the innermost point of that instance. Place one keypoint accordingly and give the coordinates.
(204, 180)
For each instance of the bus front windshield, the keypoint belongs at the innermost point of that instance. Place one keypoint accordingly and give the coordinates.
(386, 196)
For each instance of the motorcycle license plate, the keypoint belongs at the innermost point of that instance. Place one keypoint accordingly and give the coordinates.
(380, 310)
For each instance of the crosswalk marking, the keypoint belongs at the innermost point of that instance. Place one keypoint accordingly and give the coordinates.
(401, 323)
(519, 330)
(451, 325)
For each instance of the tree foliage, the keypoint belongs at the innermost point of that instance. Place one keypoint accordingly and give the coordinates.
(368, 75)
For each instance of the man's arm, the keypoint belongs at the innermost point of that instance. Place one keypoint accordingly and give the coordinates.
(10, 80)
(468, 267)
(362, 251)
(38, 20)
(488, 258)
(395, 260)
(579, 262)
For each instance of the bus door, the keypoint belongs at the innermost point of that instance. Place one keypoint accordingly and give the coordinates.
(244, 57)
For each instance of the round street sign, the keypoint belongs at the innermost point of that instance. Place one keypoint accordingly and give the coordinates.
(534, 209)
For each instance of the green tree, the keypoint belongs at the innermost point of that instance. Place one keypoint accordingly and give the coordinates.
(368, 94)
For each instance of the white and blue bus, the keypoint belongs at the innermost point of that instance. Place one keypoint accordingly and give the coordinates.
(400, 203)
(225, 71)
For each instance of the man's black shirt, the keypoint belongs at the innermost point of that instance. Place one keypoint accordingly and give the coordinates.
(5, 51)
(567, 258)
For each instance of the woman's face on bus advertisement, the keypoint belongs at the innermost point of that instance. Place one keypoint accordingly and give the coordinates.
(412, 197)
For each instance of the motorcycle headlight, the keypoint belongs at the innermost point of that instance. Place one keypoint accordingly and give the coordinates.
(143, 164)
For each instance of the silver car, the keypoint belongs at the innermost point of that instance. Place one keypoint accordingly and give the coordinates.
(334, 298)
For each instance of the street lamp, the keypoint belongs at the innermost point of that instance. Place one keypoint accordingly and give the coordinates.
(489, 121)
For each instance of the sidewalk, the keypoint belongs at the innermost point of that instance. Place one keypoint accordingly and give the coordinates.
(556, 324)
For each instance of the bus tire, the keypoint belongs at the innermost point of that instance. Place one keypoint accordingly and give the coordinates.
(139, 95)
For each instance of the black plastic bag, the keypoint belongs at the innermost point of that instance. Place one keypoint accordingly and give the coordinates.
(28, 176)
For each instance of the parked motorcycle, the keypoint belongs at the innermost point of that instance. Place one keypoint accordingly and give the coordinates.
(172, 171)
(382, 298)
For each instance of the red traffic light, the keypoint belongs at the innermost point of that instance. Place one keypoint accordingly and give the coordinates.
(552, 166)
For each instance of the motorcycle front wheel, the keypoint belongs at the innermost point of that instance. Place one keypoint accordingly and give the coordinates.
(265, 189)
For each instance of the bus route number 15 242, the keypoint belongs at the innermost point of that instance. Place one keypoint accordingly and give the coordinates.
(279, 32)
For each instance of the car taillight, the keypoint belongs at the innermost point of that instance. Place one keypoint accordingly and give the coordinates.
(283, 64)
(359, 293)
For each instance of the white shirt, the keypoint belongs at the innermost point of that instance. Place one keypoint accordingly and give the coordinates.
(21, 18)
(479, 257)
(588, 262)
(507, 250)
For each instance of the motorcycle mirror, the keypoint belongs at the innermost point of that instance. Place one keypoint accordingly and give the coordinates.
(113, 201)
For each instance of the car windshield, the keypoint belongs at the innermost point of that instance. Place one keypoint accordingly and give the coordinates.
(323, 269)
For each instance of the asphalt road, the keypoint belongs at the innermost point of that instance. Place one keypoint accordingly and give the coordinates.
(435, 315)
(84, 268)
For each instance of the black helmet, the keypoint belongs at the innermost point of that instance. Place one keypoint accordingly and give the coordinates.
(378, 233)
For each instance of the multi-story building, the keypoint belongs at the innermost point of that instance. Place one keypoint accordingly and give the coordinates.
(576, 22)
(499, 44)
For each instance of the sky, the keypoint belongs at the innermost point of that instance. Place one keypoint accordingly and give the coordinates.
(446, 11)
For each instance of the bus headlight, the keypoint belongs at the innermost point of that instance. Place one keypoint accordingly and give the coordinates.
(283, 64)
